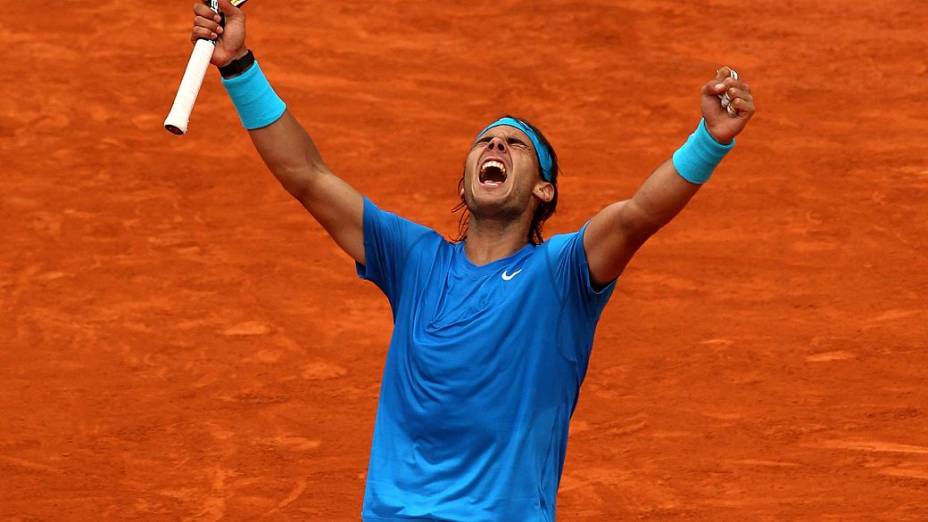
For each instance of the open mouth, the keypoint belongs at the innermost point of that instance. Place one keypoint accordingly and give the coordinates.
(492, 172)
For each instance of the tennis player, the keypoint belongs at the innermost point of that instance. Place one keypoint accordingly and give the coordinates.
(493, 331)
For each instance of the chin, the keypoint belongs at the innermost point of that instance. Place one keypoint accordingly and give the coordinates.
(493, 206)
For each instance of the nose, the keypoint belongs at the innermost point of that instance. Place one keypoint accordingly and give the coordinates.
(498, 143)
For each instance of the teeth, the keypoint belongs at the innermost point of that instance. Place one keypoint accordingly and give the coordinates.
(494, 163)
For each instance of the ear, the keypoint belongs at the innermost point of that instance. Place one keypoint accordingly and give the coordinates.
(544, 191)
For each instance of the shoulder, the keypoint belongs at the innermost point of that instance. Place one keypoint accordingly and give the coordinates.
(559, 245)
(375, 216)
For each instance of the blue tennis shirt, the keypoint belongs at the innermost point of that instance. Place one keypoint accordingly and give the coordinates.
(482, 375)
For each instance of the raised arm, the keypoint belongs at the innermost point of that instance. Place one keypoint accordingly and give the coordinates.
(284, 144)
(292, 156)
(619, 230)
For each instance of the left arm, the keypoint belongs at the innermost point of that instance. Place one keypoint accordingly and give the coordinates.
(619, 230)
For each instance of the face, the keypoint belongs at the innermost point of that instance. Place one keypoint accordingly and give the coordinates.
(501, 177)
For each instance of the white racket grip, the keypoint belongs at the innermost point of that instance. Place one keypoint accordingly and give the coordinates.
(177, 119)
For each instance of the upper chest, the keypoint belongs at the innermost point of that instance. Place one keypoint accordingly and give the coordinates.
(453, 292)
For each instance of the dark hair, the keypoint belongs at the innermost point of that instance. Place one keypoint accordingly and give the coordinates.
(543, 211)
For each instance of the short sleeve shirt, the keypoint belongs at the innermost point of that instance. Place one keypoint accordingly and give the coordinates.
(482, 374)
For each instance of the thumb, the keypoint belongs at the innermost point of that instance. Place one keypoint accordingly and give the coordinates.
(715, 86)
(226, 7)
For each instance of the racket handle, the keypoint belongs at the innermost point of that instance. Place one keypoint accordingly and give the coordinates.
(179, 116)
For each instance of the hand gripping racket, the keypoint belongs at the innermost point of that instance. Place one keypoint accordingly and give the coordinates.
(179, 116)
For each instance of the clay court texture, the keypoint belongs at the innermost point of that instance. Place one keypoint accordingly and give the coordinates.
(181, 340)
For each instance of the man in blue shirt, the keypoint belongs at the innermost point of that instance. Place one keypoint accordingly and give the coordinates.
(492, 332)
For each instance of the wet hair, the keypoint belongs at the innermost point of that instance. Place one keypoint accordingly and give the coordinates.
(543, 211)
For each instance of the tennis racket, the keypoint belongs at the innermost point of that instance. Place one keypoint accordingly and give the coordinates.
(179, 115)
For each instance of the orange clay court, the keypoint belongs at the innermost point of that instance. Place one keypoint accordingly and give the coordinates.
(179, 340)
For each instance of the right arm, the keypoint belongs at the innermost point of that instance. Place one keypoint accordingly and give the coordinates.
(287, 149)
(292, 156)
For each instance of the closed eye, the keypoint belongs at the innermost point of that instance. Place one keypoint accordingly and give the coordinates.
(516, 141)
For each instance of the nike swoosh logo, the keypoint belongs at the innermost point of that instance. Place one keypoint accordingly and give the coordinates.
(507, 276)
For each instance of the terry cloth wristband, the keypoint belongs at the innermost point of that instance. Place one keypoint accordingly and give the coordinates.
(698, 157)
(254, 98)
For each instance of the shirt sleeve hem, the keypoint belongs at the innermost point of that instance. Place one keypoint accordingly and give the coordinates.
(590, 288)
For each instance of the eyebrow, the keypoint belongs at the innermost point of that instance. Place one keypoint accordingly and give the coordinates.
(509, 139)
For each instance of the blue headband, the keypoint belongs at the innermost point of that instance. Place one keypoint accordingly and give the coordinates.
(541, 151)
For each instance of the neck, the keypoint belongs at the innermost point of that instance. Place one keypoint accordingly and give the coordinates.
(489, 240)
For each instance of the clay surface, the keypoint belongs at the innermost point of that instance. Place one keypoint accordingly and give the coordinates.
(179, 340)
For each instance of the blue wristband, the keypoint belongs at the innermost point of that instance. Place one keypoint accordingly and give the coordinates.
(698, 157)
(254, 98)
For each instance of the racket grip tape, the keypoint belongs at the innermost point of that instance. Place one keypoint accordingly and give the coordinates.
(190, 84)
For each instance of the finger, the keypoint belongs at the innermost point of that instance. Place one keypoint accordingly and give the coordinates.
(738, 84)
(200, 32)
(743, 106)
(735, 92)
(713, 87)
(206, 23)
(205, 12)
(732, 82)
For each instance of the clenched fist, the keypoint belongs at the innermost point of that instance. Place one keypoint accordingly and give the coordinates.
(721, 125)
